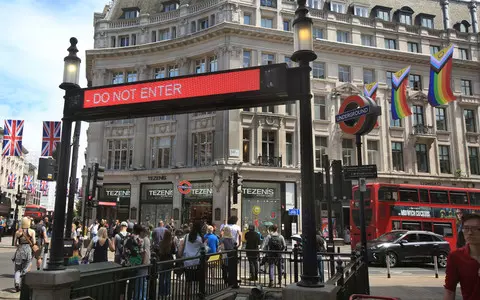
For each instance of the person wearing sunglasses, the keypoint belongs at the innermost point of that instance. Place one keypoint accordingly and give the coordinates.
(463, 264)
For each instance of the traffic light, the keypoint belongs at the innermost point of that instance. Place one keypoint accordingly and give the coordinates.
(237, 186)
(97, 178)
(89, 201)
(19, 200)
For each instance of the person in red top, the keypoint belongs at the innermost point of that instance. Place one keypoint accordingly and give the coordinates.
(463, 264)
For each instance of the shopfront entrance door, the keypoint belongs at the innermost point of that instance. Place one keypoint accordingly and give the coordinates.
(197, 211)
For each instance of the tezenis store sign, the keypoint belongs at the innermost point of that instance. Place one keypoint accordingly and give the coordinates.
(258, 192)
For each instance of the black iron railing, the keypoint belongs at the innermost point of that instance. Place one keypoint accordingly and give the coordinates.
(350, 277)
(270, 161)
(423, 130)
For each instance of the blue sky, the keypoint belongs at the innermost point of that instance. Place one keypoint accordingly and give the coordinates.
(33, 43)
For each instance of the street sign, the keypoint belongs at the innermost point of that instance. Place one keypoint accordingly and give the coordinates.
(294, 212)
(352, 114)
(356, 172)
(184, 187)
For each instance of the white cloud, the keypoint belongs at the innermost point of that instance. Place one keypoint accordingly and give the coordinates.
(35, 37)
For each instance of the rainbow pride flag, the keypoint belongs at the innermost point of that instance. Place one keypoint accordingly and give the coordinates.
(370, 91)
(400, 108)
(439, 90)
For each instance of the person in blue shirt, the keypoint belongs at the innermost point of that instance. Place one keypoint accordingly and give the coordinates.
(211, 240)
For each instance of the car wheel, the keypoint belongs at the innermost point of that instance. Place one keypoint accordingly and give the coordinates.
(393, 259)
(442, 260)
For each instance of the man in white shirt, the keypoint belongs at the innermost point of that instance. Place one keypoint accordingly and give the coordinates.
(236, 230)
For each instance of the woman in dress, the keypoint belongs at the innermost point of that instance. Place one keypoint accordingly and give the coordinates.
(100, 244)
(24, 240)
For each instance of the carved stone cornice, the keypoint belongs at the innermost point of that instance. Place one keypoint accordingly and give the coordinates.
(266, 120)
(142, 69)
(181, 61)
(417, 96)
(346, 89)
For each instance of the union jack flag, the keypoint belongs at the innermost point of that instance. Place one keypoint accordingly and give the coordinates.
(12, 138)
(27, 182)
(51, 137)
(43, 185)
(33, 189)
(45, 191)
(12, 178)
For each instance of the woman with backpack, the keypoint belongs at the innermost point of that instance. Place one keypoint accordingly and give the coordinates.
(100, 246)
(24, 240)
(190, 247)
(227, 243)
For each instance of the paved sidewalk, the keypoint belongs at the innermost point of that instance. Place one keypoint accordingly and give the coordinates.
(6, 242)
(409, 287)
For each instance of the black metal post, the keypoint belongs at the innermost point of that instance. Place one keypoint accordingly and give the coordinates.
(363, 229)
(15, 225)
(328, 196)
(310, 271)
(56, 251)
(73, 179)
(229, 200)
(85, 200)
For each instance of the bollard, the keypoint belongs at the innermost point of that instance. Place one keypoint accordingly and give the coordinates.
(387, 261)
(435, 264)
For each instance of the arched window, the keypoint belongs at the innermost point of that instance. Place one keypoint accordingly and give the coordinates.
(463, 26)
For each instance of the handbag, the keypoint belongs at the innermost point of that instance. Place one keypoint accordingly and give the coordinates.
(35, 247)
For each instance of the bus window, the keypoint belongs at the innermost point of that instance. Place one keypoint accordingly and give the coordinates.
(395, 225)
(366, 197)
(458, 198)
(427, 226)
(386, 193)
(443, 229)
(475, 199)
(407, 225)
(439, 196)
(408, 195)
(356, 217)
(424, 196)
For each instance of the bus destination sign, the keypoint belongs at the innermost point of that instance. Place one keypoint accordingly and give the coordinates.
(164, 90)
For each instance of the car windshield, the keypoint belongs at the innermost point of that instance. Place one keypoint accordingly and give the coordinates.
(391, 236)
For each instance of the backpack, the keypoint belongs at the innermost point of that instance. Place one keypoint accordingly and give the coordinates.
(120, 245)
(39, 232)
(275, 243)
(132, 252)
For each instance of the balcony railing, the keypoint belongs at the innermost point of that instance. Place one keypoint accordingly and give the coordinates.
(423, 130)
(270, 161)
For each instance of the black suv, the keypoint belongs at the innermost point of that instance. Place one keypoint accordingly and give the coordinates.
(408, 246)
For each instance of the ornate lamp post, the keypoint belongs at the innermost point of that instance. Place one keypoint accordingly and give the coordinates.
(304, 54)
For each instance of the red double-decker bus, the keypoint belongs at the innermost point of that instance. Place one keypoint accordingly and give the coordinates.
(412, 207)
(37, 212)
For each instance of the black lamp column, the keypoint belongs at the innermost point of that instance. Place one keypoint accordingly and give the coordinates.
(304, 54)
(70, 82)
(73, 179)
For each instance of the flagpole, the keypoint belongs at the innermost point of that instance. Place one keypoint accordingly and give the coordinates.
(73, 181)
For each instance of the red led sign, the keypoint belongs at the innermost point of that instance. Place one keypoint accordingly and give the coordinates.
(164, 90)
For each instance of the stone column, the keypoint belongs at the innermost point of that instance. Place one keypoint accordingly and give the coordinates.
(135, 194)
(473, 12)
(446, 15)
(52, 285)
(183, 132)
(140, 138)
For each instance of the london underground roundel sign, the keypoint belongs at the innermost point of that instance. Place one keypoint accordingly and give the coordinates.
(184, 187)
(357, 115)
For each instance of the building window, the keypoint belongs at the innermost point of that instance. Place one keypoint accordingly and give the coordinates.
(160, 73)
(131, 76)
(470, 120)
(169, 6)
(418, 118)
(474, 161)
(343, 36)
(434, 49)
(286, 25)
(268, 143)
(247, 58)
(247, 19)
(405, 18)
(463, 53)
(289, 109)
(415, 82)
(321, 145)
(361, 11)
(412, 47)
(347, 152)
(389, 76)
(162, 118)
(422, 157)
(368, 76)
(154, 36)
(288, 61)
(213, 62)
(337, 7)
(466, 86)
(268, 109)
(246, 145)
(124, 40)
(462, 27)
(444, 155)
(397, 156)
(318, 70)
(193, 27)
(269, 3)
(200, 66)
(383, 15)
(268, 59)
(317, 4)
(343, 73)
(203, 24)
(202, 148)
(320, 109)
(395, 123)
(390, 44)
(441, 118)
(372, 152)
(161, 151)
(130, 13)
(289, 148)
(118, 78)
(317, 33)
(120, 154)
(174, 32)
(173, 71)
(163, 34)
(367, 40)
(427, 22)
(267, 23)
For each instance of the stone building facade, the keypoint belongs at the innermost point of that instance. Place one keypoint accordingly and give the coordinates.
(357, 42)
